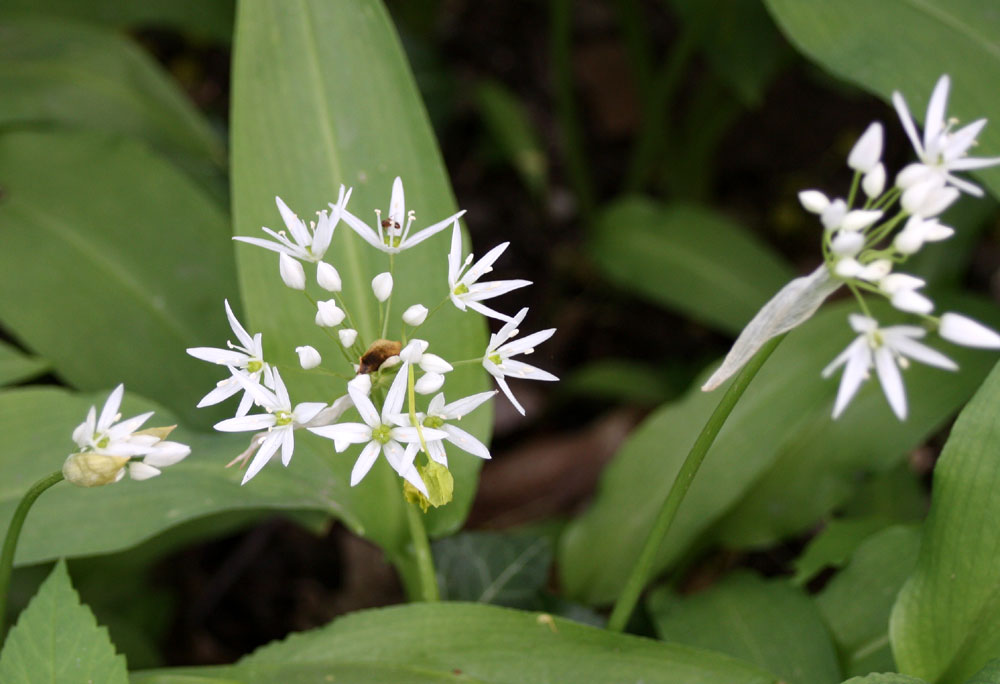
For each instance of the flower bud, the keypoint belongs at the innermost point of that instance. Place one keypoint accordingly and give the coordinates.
(92, 469)
(362, 382)
(814, 201)
(140, 470)
(415, 315)
(292, 272)
(347, 336)
(328, 314)
(859, 219)
(327, 277)
(867, 150)
(847, 244)
(833, 214)
(429, 383)
(847, 268)
(876, 270)
(873, 182)
(308, 357)
(413, 351)
(382, 286)
(967, 332)
(432, 363)
(913, 174)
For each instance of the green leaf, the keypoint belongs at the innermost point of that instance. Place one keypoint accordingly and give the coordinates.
(906, 45)
(508, 123)
(112, 278)
(57, 640)
(490, 567)
(354, 673)
(990, 674)
(833, 546)
(488, 644)
(620, 380)
(770, 624)
(786, 409)
(885, 678)
(322, 96)
(58, 72)
(857, 601)
(212, 20)
(686, 258)
(16, 366)
(37, 424)
(946, 623)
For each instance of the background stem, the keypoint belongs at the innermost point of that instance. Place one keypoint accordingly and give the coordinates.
(644, 565)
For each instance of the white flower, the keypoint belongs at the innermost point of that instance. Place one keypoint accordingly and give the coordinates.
(347, 336)
(873, 182)
(463, 289)
(328, 314)
(437, 414)
(105, 434)
(867, 150)
(901, 288)
(379, 433)
(814, 201)
(247, 356)
(498, 362)
(392, 235)
(943, 151)
(847, 244)
(382, 286)
(415, 315)
(279, 421)
(291, 271)
(308, 243)
(967, 332)
(327, 277)
(917, 231)
(885, 349)
(928, 198)
(308, 357)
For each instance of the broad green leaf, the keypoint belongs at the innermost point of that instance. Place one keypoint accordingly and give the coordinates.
(946, 623)
(885, 678)
(58, 72)
(856, 603)
(322, 96)
(786, 409)
(687, 258)
(833, 546)
(990, 674)
(354, 673)
(57, 640)
(37, 424)
(813, 475)
(906, 45)
(112, 264)
(488, 644)
(16, 366)
(897, 494)
(770, 624)
(490, 567)
(510, 127)
(212, 20)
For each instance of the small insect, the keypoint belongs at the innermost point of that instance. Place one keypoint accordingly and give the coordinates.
(377, 353)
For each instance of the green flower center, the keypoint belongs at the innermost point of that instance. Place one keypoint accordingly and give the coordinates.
(495, 358)
(103, 442)
(382, 434)
(254, 366)
(393, 240)
(461, 289)
(433, 422)
(282, 418)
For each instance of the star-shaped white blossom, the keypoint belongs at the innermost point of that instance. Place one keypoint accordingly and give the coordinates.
(379, 433)
(942, 151)
(886, 350)
(280, 420)
(392, 235)
(437, 414)
(247, 356)
(308, 242)
(498, 362)
(463, 288)
(105, 434)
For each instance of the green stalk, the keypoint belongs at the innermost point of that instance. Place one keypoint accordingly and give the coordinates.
(422, 553)
(644, 565)
(13, 533)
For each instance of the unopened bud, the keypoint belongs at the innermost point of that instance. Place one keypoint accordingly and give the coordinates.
(328, 314)
(382, 286)
(292, 272)
(308, 357)
(415, 315)
(92, 469)
(429, 383)
(327, 277)
(868, 150)
(347, 336)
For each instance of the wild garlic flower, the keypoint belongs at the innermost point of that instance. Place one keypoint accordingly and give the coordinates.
(280, 420)
(247, 356)
(308, 243)
(107, 447)
(392, 235)
(436, 417)
(434, 367)
(464, 290)
(498, 362)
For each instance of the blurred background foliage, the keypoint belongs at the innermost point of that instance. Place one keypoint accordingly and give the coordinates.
(643, 159)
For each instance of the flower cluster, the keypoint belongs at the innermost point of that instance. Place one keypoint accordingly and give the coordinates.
(866, 237)
(107, 447)
(387, 376)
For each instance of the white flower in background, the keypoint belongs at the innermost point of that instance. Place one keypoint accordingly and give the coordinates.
(885, 350)
(962, 330)
(247, 356)
(379, 434)
(309, 358)
(438, 413)
(942, 151)
(917, 231)
(463, 288)
(498, 362)
(867, 151)
(107, 446)
(280, 420)
(308, 243)
(392, 235)
(382, 286)
(927, 198)
(901, 289)
(415, 315)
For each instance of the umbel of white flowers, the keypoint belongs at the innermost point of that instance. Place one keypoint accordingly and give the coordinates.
(109, 446)
(390, 377)
(862, 249)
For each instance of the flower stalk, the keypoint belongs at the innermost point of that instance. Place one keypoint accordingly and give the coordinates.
(422, 554)
(643, 567)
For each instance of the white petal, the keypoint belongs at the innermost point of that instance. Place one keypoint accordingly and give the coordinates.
(382, 286)
(920, 352)
(912, 302)
(510, 395)
(430, 231)
(109, 414)
(454, 255)
(847, 244)
(432, 363)
(411, 434)
(526, 344)
(397, 392)
(397, 203)
(484, 310)
(328, 277)
(934, 122)
(867, 150)
(308, 357)
(484, 265)
(855, 373)
(364, 405)
(518, 369)
(494, 288)
(167, 454)
(907, 120)
(223, 357)
(891, 381)
(414, 351)
(459, 408)
(264, 454)
(258, 421)
(138, 470)
(859, 219)
(307, 410)
(363, 230)
(222, 391)
(463, 440)
(324, 233)
(291, 271)
(365, 462)
(351, 433)
(287, 444)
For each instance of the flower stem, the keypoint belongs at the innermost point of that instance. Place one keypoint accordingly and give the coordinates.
(682, 482)
(422, 553)
(13, 533)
